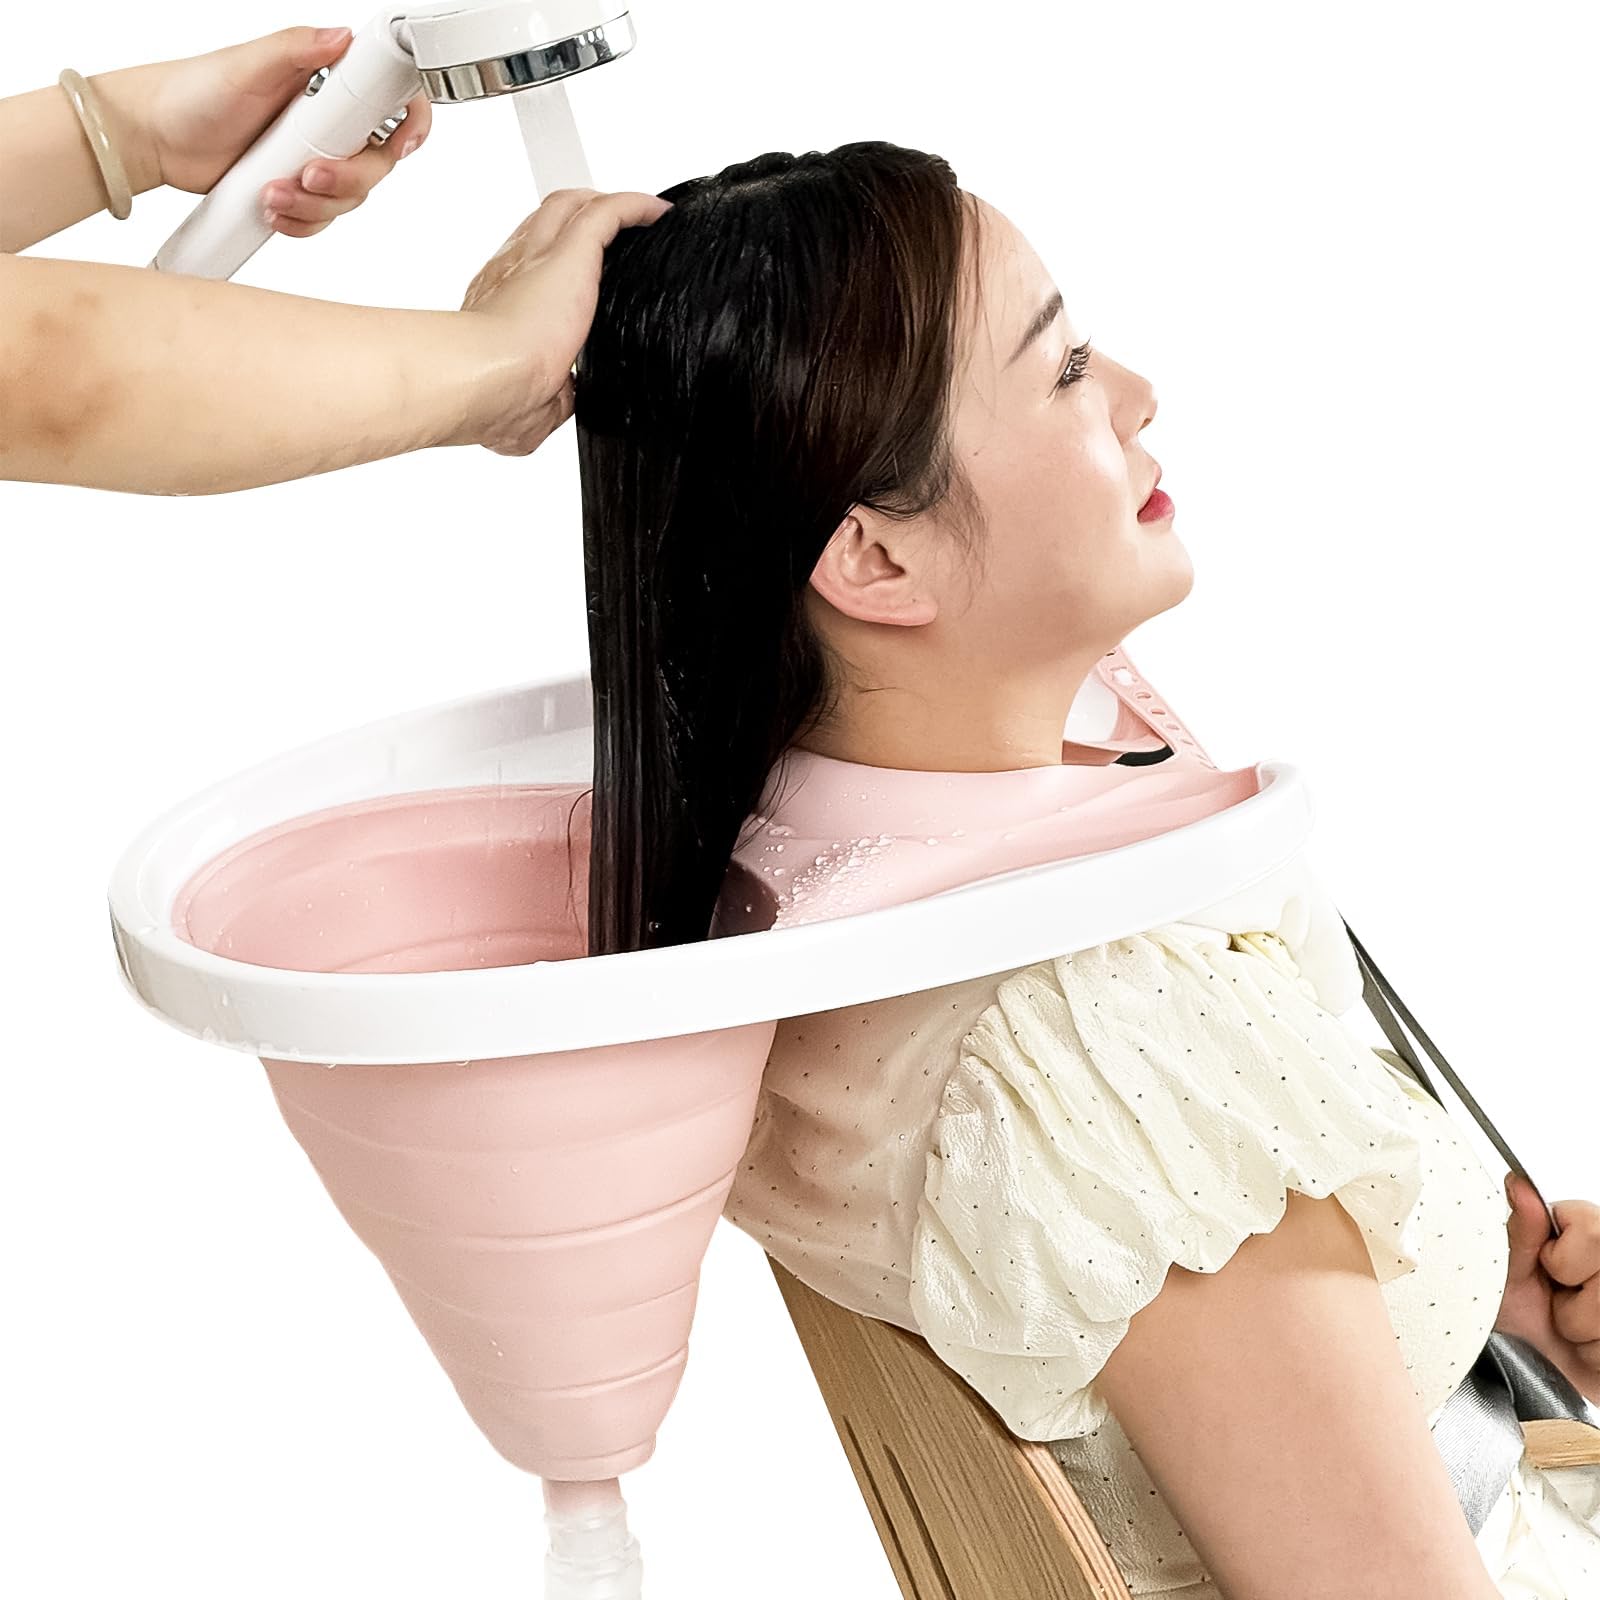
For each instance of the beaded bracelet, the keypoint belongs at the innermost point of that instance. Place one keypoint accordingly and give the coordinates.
(112, 172)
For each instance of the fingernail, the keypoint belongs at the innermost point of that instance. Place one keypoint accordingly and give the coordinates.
(410, 145)
(318, 180)
(330, 35)
(269, 216)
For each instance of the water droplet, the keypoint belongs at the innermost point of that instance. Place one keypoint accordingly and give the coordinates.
(930, 841)
(515, 1167)
(777, 872)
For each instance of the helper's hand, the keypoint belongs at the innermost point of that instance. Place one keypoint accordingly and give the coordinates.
(535, 299)
(1552, 1296)
(198, 115)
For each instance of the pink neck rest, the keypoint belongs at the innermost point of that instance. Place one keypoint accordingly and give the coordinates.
(831, 838)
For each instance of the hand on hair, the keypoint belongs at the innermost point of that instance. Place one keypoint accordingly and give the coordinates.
(533, 302)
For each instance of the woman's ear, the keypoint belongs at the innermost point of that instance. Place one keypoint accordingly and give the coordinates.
(869, 570)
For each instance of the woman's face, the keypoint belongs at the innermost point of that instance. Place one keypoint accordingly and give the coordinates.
(973, 665)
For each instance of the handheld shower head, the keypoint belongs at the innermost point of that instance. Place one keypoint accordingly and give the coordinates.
(469, 52)
(453, 51)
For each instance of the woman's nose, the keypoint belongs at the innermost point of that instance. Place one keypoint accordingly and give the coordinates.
(1139, 399)
(1146, 392)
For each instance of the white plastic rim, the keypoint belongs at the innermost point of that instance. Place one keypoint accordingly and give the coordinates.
(542, 733)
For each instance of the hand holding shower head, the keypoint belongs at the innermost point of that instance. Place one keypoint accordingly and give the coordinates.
(453, 51)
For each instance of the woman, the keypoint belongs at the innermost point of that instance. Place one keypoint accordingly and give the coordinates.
(153, 383)
(857, 496)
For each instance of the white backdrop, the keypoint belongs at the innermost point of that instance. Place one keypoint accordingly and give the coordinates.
(1351, 245)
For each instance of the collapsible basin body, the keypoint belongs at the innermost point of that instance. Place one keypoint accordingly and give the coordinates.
(543, 1217)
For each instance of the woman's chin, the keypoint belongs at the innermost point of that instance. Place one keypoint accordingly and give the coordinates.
(1175, 577)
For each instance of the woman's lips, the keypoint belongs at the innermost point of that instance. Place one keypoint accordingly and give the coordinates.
(1157, 507)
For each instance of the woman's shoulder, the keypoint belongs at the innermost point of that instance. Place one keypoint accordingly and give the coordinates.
(896, 1143)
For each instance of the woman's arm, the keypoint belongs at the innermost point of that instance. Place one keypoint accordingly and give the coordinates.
(48, 175)
(1270, 1405)
(122, 378)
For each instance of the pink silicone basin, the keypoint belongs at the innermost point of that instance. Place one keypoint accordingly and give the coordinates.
(543, 1217)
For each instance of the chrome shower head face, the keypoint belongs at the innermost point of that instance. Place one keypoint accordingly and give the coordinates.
(472, 52)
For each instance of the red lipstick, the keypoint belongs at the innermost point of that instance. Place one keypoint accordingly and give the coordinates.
(1158, 507)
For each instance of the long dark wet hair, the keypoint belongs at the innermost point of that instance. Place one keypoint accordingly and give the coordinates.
(776, 349)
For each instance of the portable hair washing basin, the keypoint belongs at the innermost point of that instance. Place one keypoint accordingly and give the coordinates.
(536, 1144)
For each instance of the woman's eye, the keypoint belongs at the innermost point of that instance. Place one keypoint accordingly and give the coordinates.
(1076, 366)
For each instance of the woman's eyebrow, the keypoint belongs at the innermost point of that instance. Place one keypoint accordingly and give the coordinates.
(1048, 313)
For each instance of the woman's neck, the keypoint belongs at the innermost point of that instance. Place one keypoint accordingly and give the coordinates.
(959, 720)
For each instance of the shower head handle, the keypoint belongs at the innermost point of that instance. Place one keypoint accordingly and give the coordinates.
(450, 51)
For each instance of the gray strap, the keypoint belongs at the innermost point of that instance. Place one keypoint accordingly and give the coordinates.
(1541, 1389)
(1479, 1436)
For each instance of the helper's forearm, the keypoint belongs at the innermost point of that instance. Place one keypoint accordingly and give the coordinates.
(48, 175)
(125, 378)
